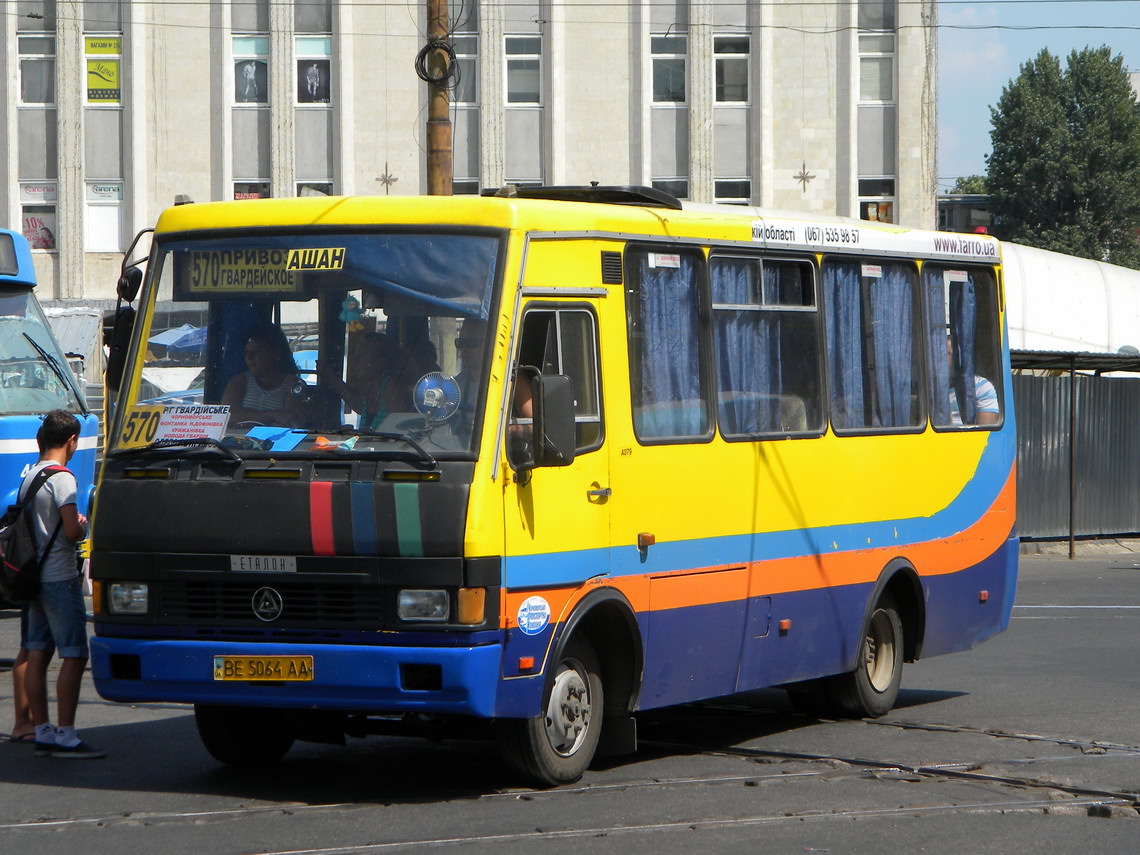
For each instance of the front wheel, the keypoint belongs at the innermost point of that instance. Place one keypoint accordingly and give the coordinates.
(557, 747)
(238, 736)
(873, 687)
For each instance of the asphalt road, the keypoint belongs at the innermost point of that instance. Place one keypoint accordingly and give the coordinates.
(1029, 743)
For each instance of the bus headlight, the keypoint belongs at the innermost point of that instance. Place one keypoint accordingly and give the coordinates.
(127, 598)
(427, 605)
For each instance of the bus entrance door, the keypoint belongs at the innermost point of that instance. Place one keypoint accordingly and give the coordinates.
(557, 518)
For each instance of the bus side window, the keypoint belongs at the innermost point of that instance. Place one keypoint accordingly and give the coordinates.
(873, 351)
(564, 341)
(962, 346)
(766, 336)
(668, 379)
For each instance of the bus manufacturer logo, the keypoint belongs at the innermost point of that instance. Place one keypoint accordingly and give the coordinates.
(267, 604)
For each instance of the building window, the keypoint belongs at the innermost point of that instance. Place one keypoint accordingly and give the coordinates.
(678, 187)
(251, 190)
(524, 69)
(731, 61)
(251, 69)
(877, 111)
(37, 69)
(877, 68)
(38, 214)
(103, 223)
(314, 69)
(314, 188)
(103, 69)
(669, 54)
(732, 191)
(877, 14)
(877, 199)
(467, 61)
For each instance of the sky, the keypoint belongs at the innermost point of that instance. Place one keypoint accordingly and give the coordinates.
(982, 45)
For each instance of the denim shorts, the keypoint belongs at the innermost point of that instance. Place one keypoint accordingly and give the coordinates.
(59, 616)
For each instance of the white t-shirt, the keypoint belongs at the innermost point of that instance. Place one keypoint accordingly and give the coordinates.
(985, 400)
(57, 491)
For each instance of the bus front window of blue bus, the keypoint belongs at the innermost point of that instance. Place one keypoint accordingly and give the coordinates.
(34, 374)
(309, 343)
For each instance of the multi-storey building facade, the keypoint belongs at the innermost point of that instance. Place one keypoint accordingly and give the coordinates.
(114, 109)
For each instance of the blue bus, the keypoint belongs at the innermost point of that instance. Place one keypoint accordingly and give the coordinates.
(34, 378)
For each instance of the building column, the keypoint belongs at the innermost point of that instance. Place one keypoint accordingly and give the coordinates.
(847, 112)
(701, 97)
(344, 115)
(70, 191)
(282, 86)
(492, 99)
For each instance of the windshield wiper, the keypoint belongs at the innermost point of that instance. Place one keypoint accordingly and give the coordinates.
(165, 444)
(421, 452)
(53, 363)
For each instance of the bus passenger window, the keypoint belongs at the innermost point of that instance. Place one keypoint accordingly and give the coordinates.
(872, 317)
(667, 382)
(766, 334)
(562, 341)
(962, 346)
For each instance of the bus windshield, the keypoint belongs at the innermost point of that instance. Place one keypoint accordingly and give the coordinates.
(34, 374)
(347, 343)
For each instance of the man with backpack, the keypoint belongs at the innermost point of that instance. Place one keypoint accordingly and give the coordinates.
(57, 616)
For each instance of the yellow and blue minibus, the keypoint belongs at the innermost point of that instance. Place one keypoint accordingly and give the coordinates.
(544, 459)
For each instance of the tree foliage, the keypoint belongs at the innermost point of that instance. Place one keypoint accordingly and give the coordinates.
(975, 184)
(1065, 169)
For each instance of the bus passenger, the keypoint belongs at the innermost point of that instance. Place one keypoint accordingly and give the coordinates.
(986, 408)
(373, 386)
(266, 392)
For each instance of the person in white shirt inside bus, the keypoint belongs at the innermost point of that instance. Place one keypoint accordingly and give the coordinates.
(986, 406)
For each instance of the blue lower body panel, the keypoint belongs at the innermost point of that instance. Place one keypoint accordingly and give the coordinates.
(354, 678)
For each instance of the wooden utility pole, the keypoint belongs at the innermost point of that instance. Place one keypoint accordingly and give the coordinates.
(439, 167)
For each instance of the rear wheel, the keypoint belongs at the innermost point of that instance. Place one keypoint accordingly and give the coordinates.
(238, 736)
(557, 747)
(873, 687)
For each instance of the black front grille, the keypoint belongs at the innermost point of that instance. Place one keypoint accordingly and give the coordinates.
(302, 604)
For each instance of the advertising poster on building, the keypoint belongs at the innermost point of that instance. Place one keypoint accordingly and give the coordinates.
(251, 81)
(103, 66)
(39, 226)
(313, 81)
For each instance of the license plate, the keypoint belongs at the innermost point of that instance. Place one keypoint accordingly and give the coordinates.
(263, 563)
(266, 668)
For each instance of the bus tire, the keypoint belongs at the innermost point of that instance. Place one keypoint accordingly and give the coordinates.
(238, 736)
(872, 688)
(558, 746)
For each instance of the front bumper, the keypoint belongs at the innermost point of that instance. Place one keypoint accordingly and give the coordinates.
(356, 678)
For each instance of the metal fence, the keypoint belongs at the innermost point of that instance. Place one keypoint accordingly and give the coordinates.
(1097, 474)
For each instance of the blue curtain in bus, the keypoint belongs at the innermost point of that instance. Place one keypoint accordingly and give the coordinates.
(669, 402)
(892, 325)
(842, 302)
(936, 331)
(963, 332)
(747, 348)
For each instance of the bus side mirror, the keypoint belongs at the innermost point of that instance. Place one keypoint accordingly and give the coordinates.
(554, 421)
(129, 283)
(544, 408)
(119, 344)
